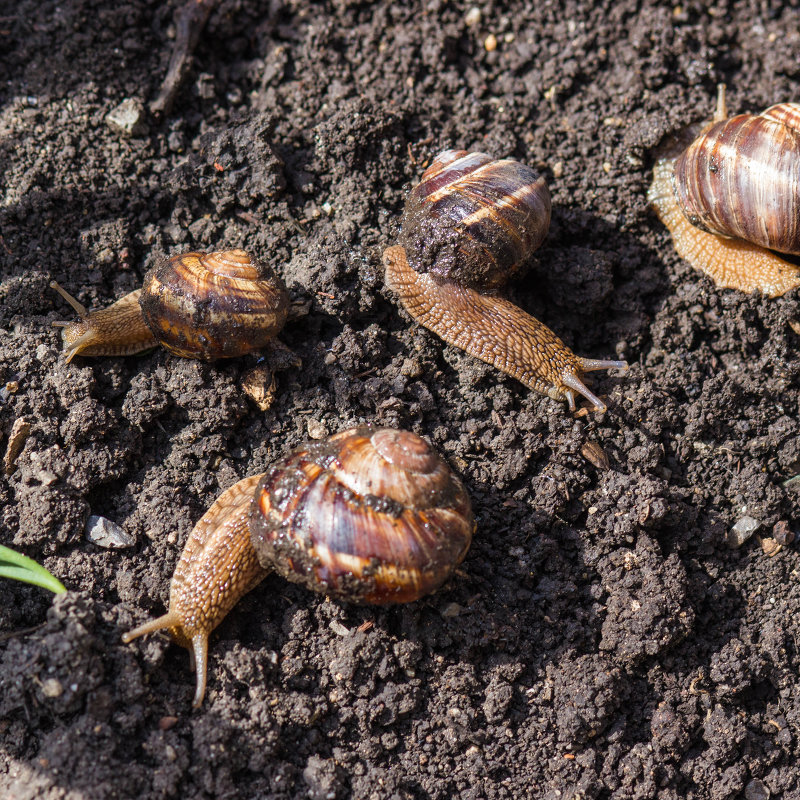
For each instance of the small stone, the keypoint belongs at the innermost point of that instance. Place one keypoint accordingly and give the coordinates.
(339, 629)
(451, 610)
(770, 547)
(595, 454)
(259, 385)
(472, 17)
(782, 533)
(742, 531)
(105, 533)
(128, 118)
(316, 429)
(52, 688)
(756, 790)
(165, 723)
(490, 43)
(45, 477)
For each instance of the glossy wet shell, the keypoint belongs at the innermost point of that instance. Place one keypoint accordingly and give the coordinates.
(371, 515)
(475, 220)
(214, 305)
(741, 178)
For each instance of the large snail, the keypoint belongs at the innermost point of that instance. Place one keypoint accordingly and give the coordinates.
(196, 305)
(733, 196)
(369, 516)
(469, 225)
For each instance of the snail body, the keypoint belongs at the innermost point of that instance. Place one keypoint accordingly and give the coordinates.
(197, 305)
(468, 227)
(367, 516)
(732, 197)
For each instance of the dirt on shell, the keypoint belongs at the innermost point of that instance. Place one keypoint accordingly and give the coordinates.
(611, 633)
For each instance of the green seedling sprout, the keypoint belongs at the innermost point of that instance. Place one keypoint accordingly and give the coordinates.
(18, 567)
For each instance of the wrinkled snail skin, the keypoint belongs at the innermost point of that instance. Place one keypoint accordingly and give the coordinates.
(197, 305)
(468, 227)
(218, 566)
(368, 516)
(733, 197)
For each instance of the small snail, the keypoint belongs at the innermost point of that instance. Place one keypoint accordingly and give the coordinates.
(468, 226)
(197, 305)
(369, 516)
(733, 196)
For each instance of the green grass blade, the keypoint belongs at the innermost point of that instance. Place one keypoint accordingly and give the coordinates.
(18, 567)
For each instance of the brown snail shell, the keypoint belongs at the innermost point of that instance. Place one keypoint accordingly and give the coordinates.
(368, 516)
(733, 196)
(468, 227)
(197, 305)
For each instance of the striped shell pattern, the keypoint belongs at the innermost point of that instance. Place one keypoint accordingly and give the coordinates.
(213, 305)
(475, 220)
(740, 178)
(370, 515)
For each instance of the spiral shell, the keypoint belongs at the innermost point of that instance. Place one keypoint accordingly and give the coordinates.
(372, 516)
(741, 178)
(213, 305)
(731, 200)
(468, 226)
(475, 220)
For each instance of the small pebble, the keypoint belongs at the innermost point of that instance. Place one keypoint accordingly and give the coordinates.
(105, 533)
(52, 688)
(756, 790)
(165, 723)
(45, 477)
(472, 17)
(128, 118)
(451, 610)
(316, 429)
(339, 629)
(742, 531)
(490, 43)
(782, 533)
(770, 547)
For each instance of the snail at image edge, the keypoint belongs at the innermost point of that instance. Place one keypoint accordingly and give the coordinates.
(368, 516)
(469, 226)
(197, 305)
(732, 197)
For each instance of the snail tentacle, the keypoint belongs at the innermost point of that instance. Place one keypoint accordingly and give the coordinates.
(197, 305)
(118, 330)
(369, 515)
(493, 330)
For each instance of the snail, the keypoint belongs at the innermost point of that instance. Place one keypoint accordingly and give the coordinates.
(733, 196)
(371, 515)
(197, 305)
(468, 226)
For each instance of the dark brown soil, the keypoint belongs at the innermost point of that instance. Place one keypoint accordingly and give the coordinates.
(602, 640)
